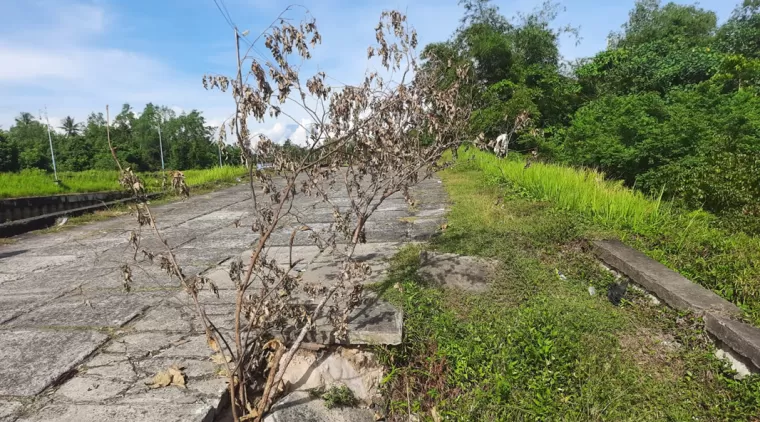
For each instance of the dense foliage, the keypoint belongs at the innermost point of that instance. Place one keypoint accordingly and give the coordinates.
(188, 143)
(671, 106)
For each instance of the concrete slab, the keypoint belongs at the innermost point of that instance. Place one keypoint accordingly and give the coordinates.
(675, 289)
(25, 264)
(191, 347)
(300, 406)
(164, 412)
(165, 319)
(9, 410)
(156, 330)
(145, 276)
(457, 271)
(91, 389)
(37, 358)
(88, 309)
(12, 306)
(45, 283)
(373, 322)
(143, 344)
(119, 367)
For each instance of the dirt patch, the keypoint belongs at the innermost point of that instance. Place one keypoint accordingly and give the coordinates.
(658, 352)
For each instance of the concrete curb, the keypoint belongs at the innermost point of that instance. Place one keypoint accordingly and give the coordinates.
(15, 227)
(682, 294)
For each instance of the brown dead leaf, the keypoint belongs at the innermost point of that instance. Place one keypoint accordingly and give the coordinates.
(211, 342)
(171, 376)
(220, 359)
(434, 414)
(178, 377)
(253, 415)
(444, 226)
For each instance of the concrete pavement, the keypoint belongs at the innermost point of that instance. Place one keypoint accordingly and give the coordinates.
(75, 347)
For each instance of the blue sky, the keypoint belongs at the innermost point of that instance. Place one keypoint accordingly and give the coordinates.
(76, 56)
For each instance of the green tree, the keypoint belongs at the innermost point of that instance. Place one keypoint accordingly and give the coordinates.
(741, 33)
(649, 21)
(31, 139)
(8, 154)
(70, 127)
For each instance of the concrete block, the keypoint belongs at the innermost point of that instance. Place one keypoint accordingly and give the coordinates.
(675, 289)
(740, 337)
(299, 406)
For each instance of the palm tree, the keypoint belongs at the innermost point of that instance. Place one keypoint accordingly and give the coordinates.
(70, 126)
(24, 118)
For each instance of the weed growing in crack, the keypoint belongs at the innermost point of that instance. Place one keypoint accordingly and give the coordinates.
(335, 396)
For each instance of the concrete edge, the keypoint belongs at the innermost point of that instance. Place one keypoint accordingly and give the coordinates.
(16, 227)
(742, 338)
(673, 288)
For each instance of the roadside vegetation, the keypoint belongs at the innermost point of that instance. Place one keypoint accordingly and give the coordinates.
(671, 107)
(36, 182)
(690, 242)
(538, 345)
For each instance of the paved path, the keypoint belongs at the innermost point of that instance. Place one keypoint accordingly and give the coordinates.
(75, 347)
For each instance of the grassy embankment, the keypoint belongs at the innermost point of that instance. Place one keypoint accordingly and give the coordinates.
(40, 183)
(538, 346)
(37, 183)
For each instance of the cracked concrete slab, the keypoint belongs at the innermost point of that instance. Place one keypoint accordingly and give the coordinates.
(149, 412)
(85, 309)
(9, 410)
(57, 287)
(37, 357)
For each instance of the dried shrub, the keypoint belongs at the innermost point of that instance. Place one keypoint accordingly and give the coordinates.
(370, 141)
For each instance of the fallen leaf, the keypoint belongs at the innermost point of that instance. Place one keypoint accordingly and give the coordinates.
(444, 226)
(220, 359)
(434, 413)
(178, 378)
(211, 342)
(162, 379)
(253, 415)
(171, 376)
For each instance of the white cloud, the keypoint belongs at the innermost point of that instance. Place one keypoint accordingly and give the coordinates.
(68, 65)
(276, 133)
(300, 136)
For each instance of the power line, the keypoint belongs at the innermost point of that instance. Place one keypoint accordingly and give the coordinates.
(224, 6)
(225, 16)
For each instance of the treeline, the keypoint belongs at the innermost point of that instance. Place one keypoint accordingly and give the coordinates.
(188, 143)
(670, 106)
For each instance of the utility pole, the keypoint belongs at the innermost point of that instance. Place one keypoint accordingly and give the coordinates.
(220, 153)
(160, 143)
(50, 141)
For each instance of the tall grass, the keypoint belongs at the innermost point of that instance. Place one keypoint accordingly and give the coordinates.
(581, 190)
(686, 241)
(216, 174)
(35, 182)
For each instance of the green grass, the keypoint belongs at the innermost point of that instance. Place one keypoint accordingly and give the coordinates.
(39, 183)
(688, 242)
(539, 347)
(335, 396)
